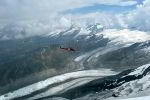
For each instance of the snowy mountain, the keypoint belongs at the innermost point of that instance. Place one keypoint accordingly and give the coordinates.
(127, 84)
(71, 85)
(137, 87)
(61, 83)
(74, 49)
(87, 74)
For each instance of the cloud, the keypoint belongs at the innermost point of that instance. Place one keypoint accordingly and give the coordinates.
(65, 22)
(146, 3)
(127, 3)
(38, 17)
(140, 18)
(36, 9)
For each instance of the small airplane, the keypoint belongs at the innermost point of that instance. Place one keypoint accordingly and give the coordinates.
(68, 49)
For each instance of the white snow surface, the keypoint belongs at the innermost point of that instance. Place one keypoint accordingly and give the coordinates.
(117, 36)
(139, 98)
(134, 87)
(139, 70)
(57, 79)
(146, 50)
(134, 90)
(62, 88)
(77, 59)
(137, 87)
(118, 39)
(125, 36)
(136, 98)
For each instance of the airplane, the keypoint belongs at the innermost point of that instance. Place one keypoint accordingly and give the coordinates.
(68, 49)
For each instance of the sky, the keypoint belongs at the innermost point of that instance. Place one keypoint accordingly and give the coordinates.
(41, 15)
(15, 10)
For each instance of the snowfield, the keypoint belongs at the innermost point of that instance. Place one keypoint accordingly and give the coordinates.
(118, 39)
(138, 98)
(136, 88)
(60, 84)
(77, 77)
(125, 36)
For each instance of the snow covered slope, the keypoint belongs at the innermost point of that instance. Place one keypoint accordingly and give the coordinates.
(138, 98)
(96, 49)
(127, 84)
(137, 86)
(57, 84)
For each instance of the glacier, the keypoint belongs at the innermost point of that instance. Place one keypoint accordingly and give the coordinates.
(116, 67)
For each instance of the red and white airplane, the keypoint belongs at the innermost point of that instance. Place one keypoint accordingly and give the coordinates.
(68, 49)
